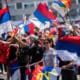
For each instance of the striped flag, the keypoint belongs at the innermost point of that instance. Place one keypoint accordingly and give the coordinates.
(46, 73)
(5, 23)
(29, 28)
(15, 71)
(43, 17)
(68, 47)
(61, 6)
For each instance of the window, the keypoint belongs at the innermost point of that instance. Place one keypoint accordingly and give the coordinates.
(28, 5)
(27, 15)
(16, 17)
(31, 5)
(19, 5)
(11, 6)
(25, 5)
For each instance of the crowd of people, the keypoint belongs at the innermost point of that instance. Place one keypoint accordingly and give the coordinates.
(27, 50)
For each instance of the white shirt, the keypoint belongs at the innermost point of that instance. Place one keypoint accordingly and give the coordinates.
(49, 57)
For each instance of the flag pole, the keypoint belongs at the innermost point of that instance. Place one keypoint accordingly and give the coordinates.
(6, 2)
(68, 15)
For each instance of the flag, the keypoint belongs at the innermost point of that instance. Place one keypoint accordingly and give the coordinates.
(15, 71)
(21, 27)
(53, 30)
(4, 36)
(45, 73)
(4, 53)
(61, 6)
(5, 24)
(42, 17)
(36, 73)
(66, 2)
(68, 46)
(29, 28)
(14, 32)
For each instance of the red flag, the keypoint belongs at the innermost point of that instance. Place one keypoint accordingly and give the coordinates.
(4, 52)
(14, 32)
(72, 39)
(47, 13)
(59, 32)
(2, 11)
(31, 28)
(36, 72)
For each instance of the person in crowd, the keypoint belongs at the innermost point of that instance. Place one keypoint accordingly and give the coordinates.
(13, 59)
(4, 50)
(76, 30)
(49, 55)
(23, 56)
(68, 72)
(36, 52)
(79, 71)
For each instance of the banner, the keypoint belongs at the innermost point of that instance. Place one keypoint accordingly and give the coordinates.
(46, 73)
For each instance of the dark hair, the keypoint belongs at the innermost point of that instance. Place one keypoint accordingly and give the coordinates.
(8, 37)
(23, 40)
(50, 41)
(36, 42)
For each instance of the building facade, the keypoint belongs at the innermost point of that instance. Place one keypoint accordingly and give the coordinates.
(0, 4)
(20, 8)
(75, 10)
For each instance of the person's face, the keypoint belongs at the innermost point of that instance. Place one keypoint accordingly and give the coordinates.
(46, 44)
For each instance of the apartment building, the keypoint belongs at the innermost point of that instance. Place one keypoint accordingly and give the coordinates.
(75, 10)
(20, 8)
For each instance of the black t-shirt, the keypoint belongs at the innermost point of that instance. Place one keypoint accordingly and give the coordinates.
(36, 52)
(23, 56)
(62, 63)
(12, 53)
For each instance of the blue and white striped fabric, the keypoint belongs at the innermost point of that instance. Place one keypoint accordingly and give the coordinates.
(15, 71)
(68, 48)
